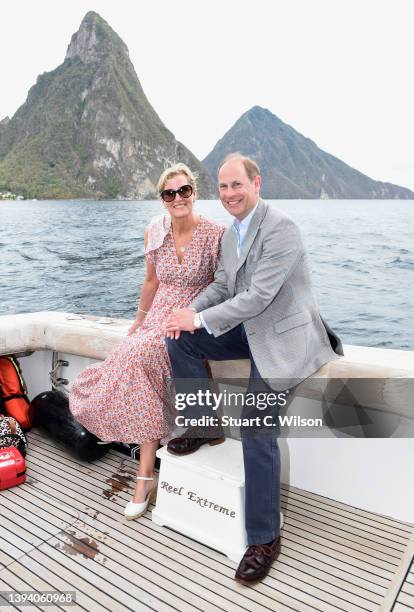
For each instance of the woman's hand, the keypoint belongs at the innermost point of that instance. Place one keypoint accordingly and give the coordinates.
(136, 324)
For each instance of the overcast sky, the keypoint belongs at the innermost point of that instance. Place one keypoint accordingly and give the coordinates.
(338, 71)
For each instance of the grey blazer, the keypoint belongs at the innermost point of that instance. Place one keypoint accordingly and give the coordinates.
(268, 289)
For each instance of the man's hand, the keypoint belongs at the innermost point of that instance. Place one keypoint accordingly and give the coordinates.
(180, 320)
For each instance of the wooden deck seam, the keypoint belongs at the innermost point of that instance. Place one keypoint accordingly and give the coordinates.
(16, 583)
(80, 573)
(56, 536)
(34, 557)
(338, 532)
(318, 498)
(285, 537)
(346, 523)
(344, 589)
(231, 588)
(349, 607)
(133, 581)
(400, 575)
(343, 542)
(373, 556)
(405, 595)
(188, 557)
(400, 525)
(28, 557)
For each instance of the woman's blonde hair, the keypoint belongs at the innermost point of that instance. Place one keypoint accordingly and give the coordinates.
(175, 170)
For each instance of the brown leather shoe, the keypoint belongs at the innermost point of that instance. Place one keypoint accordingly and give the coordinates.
(186, 446)
(257, 561)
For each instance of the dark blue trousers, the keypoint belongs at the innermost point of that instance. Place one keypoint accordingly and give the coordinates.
(260, 452)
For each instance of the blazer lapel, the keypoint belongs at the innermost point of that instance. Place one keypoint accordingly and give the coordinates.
(231, 257)
(251, 234)
(237, 262)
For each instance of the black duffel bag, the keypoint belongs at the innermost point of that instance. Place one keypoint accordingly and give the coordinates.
(51, 412)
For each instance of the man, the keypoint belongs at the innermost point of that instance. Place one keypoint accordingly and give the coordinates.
(260, 306)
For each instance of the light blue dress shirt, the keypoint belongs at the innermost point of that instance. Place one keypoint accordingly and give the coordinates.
(240, 229)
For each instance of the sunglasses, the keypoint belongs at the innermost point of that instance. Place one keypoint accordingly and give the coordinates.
(168, 195)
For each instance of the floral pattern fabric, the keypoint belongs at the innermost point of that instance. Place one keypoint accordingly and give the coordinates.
(126, 398)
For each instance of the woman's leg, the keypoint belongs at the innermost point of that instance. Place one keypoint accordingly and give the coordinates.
(145, 468)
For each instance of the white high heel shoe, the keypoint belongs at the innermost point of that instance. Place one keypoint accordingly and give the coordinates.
(135, 510)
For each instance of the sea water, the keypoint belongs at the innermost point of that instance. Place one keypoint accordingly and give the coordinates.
(88, 257)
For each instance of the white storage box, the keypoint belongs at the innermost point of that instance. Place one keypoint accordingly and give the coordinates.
(202, 496)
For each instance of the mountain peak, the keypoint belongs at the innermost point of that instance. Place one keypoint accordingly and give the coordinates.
(92, 16)
(94, 38)
(88, 130)
(258, 110)
(293, 166)
(258, 114)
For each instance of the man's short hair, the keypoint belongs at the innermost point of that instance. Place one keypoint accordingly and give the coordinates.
(251, 167)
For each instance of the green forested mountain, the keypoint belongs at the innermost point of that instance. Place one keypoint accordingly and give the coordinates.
(293, 166)
(87, 129)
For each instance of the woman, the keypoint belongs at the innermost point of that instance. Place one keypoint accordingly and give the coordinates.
(126, 397)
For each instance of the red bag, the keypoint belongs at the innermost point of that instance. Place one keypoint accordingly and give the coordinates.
(13, 393)
(12, 467)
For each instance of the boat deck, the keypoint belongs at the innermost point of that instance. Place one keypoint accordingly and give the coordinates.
(405, 599)
(64, 530)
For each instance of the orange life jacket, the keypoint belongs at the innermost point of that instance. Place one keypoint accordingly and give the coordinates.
(13, 393)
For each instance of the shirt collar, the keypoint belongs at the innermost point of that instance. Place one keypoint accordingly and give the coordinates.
(243, 225)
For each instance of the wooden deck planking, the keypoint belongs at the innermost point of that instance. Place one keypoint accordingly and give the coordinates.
(387, 566)
(368, 535)
(70, 462)
(400, 533)
(338, 534)
(345, 528)
(337, 507)
(117, 527)
(11, 582)
(71, 535)
(69, 540)
(42, 566)
(169, 548)
(406, 595)
(117, 524)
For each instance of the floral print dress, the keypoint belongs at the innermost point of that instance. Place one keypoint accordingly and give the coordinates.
(127, 397)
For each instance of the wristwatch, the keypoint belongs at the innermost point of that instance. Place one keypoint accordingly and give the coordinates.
(197, 321)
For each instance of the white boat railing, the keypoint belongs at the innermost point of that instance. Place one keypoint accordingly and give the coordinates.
(96, 337)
